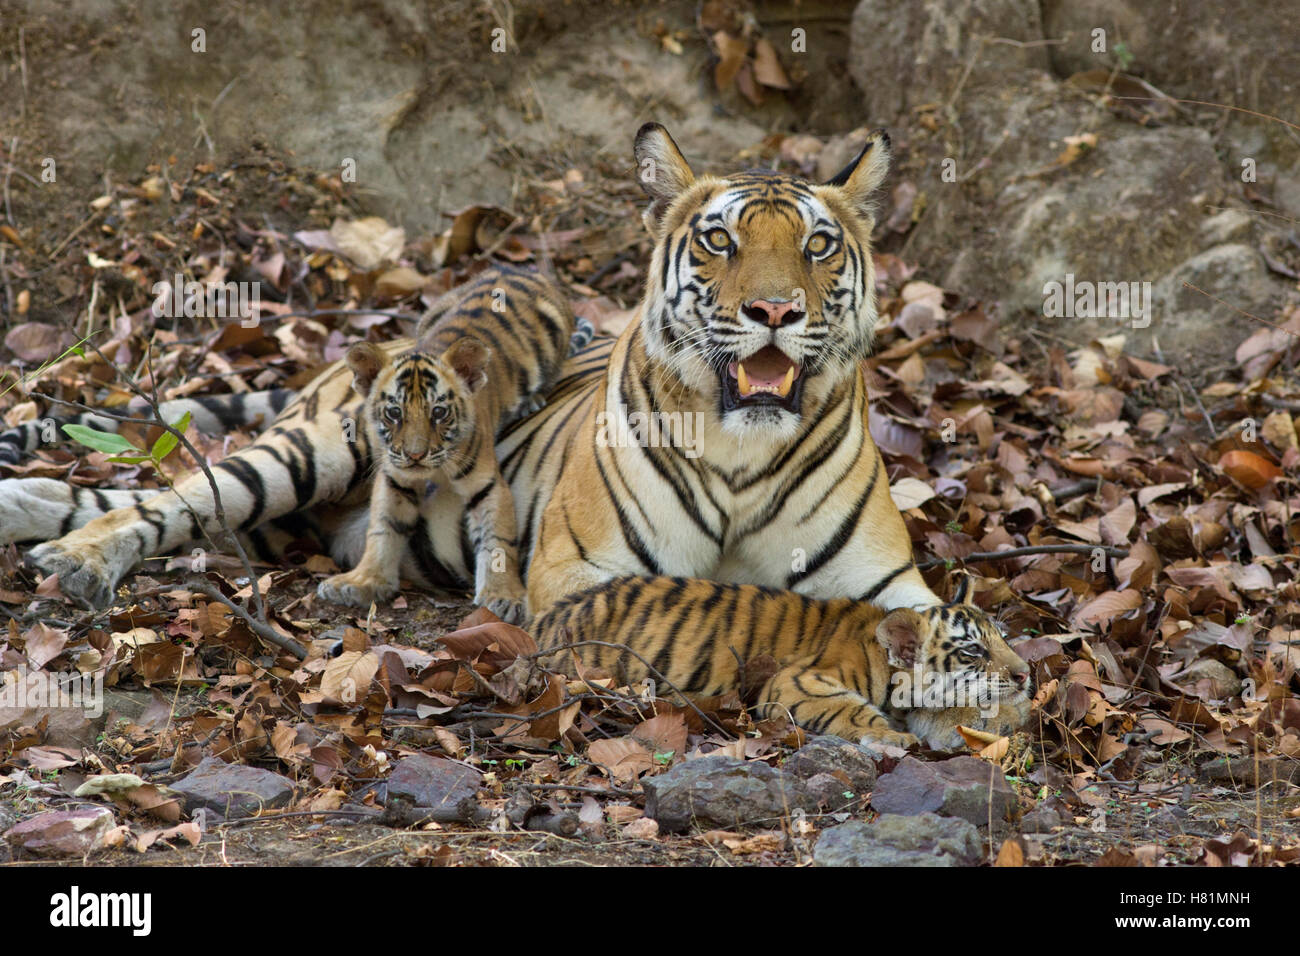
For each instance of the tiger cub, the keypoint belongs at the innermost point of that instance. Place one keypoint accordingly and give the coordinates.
(843, 667)
(486, 355)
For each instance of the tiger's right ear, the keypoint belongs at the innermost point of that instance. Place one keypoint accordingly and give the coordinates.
(366, 361)
(900, 634)
(963, 594)
(661, 170)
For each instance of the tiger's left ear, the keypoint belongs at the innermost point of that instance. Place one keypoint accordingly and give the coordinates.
(861, 178)
(468, 358)
(900, 634)
(661, 169)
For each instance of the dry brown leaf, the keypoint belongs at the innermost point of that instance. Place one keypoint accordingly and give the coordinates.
(346, 679)
(1011, 853)
(1250, 469)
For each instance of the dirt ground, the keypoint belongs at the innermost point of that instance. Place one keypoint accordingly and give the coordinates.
(199, 175)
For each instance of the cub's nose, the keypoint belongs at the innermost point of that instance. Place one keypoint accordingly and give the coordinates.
(773, 313)
(417, 455)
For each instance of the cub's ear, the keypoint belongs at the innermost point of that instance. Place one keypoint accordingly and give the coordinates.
(965, 594)
(366, 361)
(468, 358)
(900, 634)
(661, 170)
(862, 177)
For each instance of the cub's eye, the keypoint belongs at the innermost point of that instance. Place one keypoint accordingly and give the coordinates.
(439, 412)
(393, 412)
(819, 244)
(719, 240)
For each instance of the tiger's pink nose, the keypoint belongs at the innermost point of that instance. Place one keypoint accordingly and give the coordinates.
(772, 313)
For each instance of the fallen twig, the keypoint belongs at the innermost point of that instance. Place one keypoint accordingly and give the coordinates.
(977, 556)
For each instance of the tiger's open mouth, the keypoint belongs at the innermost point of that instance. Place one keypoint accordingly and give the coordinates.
(768, 377)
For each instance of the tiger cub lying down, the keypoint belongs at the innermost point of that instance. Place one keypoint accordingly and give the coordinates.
(433, 415)
(845, 667)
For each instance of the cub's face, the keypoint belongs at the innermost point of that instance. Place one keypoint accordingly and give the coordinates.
(955, 658)
(761, 293)
(420, 408)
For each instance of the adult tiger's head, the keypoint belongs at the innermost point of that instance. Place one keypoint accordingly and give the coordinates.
(953, 656)
(761, 291)
(419, 407)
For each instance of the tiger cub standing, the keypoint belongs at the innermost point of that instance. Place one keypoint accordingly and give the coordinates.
(486, 355)
(844, 667)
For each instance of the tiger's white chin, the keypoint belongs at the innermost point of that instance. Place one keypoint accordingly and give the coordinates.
(762, 424)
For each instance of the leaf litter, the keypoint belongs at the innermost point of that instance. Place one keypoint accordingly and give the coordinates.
(1158, 608)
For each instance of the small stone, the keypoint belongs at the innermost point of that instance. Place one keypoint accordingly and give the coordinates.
(834, 755)
(233, 790)
(830, 791)
(1040, 820)
(429, 781)
(722, 793)
(62, 832)
(959, 787)
(893, 840)
(642, 829)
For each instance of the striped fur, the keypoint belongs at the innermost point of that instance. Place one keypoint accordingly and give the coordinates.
(210, 414)
(784, 493)
(841, 666)
(433, 415)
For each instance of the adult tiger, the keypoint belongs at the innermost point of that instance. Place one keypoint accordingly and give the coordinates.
(759, 305)
(758, 308)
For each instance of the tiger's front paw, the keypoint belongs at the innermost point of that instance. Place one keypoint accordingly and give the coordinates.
(510, 611)
(85, 575)
(507, 601)
(355, 589)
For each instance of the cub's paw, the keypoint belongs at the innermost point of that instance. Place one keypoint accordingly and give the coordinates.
(938, 728)
(356, 590)
(510, 610)
(893, 738)
(84, 575)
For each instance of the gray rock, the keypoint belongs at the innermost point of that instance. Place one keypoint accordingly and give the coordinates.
(65, 726)
(952, 788)
(923, 840)
(722, 792)
(1072, 22)
(905, 55)
(1040, 820)
(429, 781)
(1233, 272)
(233, 790)
(72, 833)
(836, 756)
(1144, 206)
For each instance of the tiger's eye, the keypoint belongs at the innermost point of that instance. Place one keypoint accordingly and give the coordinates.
(439, 412)
(818, 243)
(393, 412)
(718, 238)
